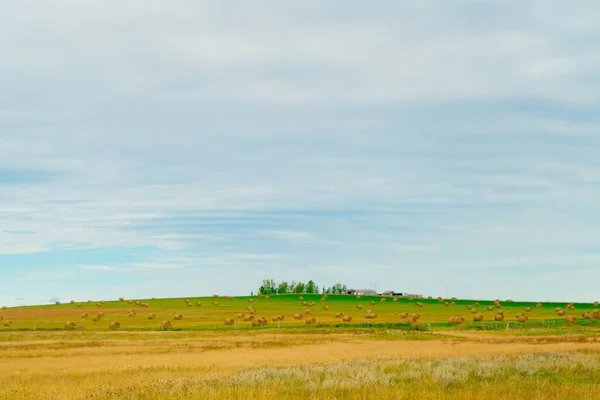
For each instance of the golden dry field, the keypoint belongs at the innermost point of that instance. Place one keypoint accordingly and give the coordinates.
(202, 358)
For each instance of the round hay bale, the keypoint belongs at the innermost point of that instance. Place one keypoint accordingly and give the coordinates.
(587, 315)
(215, 303)
(249, 317)
(267, 296)
(8, 324)
(370, 316)
(323, 299)
(404, 315)
(528, 309)
(131, 313)
(198, 304)
(325, 308)
(307, 311)
(500, 312)
(129, 301)
(250, 301)
(522, 318)
(297, 316)
(84, 315)
(57, 303)
(453, 298)
(114, 325)
(70, 325)
(4, 307)
(358, 297)
(473, 311)
(478, 318)
(469, 307)
(300, 298)
(98, 305)
(476, 305)
(561, 312)
(452, 303)
(276, 318)
(253, 311)
(339, 315)
(359, 306)
(499, 318)
(595, 304)
(539, 305)
(189, 304)
(178, 317)
(311, 320)
(456, 320)
(240, 315)
(383, 299)
(347, 318)
(78, 305)
(229, 321)
(249, 308)
(151, 316)
(416, 316)
(372, 303)
(166, 325)
(569, 319)
(490, 308)
(395, 299)
(446, 304)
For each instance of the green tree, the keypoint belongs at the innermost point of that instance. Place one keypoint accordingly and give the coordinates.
(299, 288)
(283, 287)
(267, 286)
(310, 287)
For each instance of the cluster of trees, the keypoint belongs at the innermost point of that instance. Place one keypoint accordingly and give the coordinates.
(270, 286)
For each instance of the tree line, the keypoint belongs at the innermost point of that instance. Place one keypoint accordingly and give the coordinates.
(270, 286)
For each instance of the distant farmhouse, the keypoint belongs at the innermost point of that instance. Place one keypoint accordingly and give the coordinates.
(363, 292)
(371, 292)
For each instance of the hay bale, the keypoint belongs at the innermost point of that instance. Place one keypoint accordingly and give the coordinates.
(114, 325)
(395, 299)
(490, 308)
(229, 321)
(359, 306)
(382, 299)
(456, 320)
(267, 296)
(131, 313)
(151, 316)
(528, 309)
(454, 298)
(569, 319)
(311, 320)
(446, 304)
(297, 316)
(418, 304)
(84, 315)
(358, 297)
(469, 307)
(477, 317)
(561, 312)
(129, 301)
(250, 301)
(57, 303)
(198, 304)
(240, 315)
(339, 315)
(276, 318)
(404, 315)
(476, 305)
(473, 311)
(300, 298)
(325, 308)
(249, 317)
(587, 315)
(215, 303)
(178, 317)
(500, 312)
(307, 311)
(347, 318)
(370, 315)
(323, 299)
(452, 303)
(499, 318)
(8, 324)
(99, 305)
(70, 325)
(596, 304)
(539, 305)
(416, 316)
(78, 305)
(372, 303)
(4, 307)
(522, 318)
(249, 308)
(166, 325)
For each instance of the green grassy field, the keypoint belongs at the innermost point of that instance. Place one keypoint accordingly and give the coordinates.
(208, 316)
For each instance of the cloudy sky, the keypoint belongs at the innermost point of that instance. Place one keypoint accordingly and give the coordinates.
(179, 148)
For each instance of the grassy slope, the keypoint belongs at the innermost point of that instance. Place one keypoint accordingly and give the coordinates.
(208, 316)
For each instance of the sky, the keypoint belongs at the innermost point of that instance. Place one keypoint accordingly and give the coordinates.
(185, 148)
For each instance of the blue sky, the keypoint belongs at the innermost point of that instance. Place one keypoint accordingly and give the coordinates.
(183, 148)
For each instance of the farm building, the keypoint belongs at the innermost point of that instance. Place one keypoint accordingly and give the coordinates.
(392, 293)
(365, 292)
